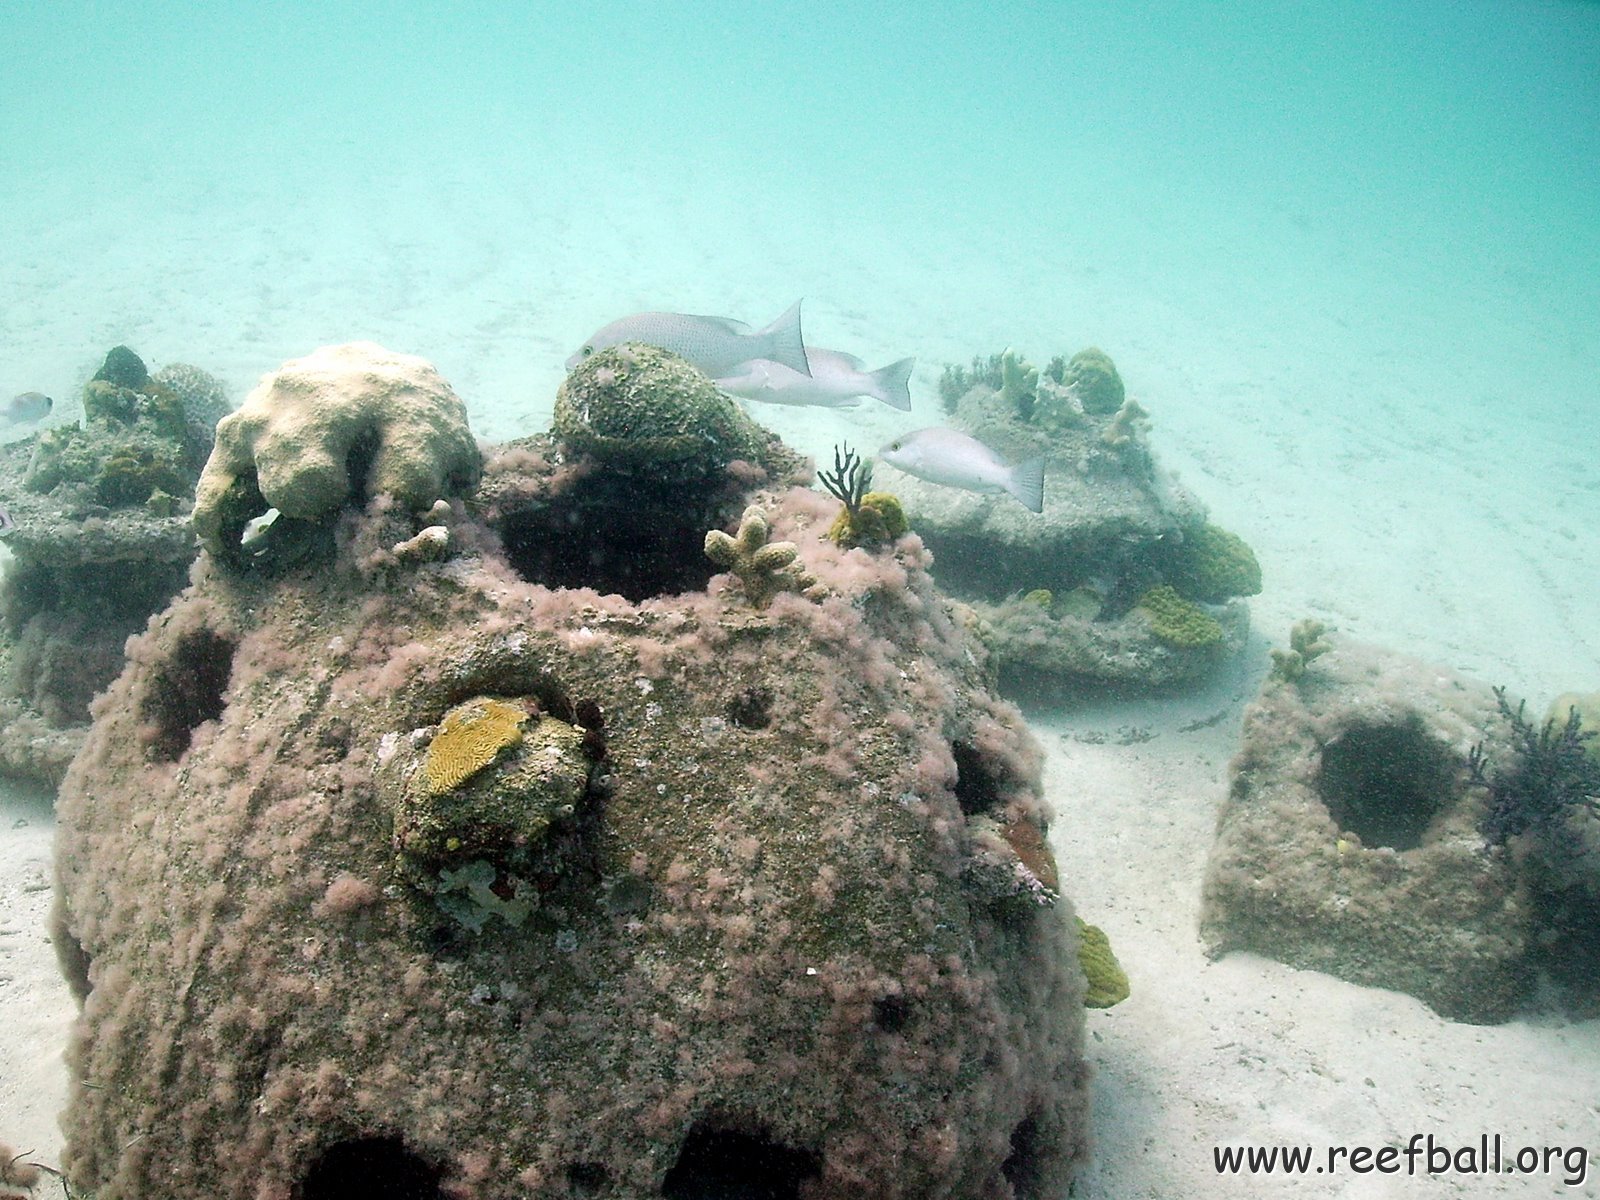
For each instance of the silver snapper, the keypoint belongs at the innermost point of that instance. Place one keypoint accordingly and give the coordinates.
(714, 344)
(836, 381)
(950, 457)
(26, 408)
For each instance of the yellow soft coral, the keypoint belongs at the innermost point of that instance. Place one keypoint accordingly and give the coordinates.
(471, 736)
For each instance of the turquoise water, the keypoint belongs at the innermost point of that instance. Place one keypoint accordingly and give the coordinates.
(1326, 181)
(1348, 255)
(1340, 251)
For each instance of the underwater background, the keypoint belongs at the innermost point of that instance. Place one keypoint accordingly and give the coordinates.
(1346, 255)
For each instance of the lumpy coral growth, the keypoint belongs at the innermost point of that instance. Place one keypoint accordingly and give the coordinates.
(1108, 982)
(349, 421)
(1094, 379)
(640, 406)
(1212, 565)
(1177, 621)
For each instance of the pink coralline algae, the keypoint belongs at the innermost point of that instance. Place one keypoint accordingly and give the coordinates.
(758, 902)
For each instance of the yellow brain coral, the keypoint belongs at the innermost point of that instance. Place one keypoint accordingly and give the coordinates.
(470, 737)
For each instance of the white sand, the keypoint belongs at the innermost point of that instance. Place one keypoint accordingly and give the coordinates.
(33, 997)
(1401, 421)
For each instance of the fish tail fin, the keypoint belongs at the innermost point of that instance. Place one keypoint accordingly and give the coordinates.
(787, 346)
(1027, 484)
(893, 384)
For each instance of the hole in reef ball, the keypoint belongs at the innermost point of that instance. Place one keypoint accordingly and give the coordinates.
(977, 780)
(732, 1162)
(751, 708)
(370, 1168)
(187, 691)
(1021, 1166)
(1385, 782)
(890, 1013)
(586, 1178)
(654, 545)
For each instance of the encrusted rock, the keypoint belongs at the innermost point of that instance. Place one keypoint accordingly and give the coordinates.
(99, 539)
(770, 883)
(1116, 528)
(1350, 842)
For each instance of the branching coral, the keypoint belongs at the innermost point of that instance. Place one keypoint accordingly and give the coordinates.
(1305, 644)
(850, 478)
(764, 568)
(1554, 777)
(1019, 384)
(1129, 429)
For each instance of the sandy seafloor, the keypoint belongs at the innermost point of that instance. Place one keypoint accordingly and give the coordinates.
(1361, 309)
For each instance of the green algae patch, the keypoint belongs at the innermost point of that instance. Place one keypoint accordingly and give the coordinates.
(1108, 982)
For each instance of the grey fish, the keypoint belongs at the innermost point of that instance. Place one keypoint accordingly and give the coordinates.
(836, 381)
(714, 344)
(950, 457)
(26, 408)
(6, 523)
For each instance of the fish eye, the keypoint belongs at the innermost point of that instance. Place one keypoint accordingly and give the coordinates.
(587, 350)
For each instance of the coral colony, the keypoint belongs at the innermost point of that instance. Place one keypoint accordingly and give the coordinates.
(626, 836)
